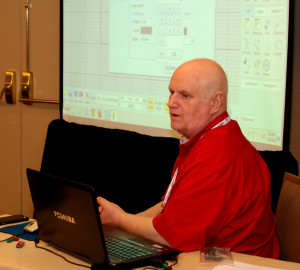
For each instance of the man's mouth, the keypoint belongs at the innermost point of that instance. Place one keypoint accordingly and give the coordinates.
(173, 114)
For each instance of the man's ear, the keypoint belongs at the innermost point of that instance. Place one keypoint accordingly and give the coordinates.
(217, 101)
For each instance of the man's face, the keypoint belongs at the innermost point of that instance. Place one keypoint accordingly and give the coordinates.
(189, 111)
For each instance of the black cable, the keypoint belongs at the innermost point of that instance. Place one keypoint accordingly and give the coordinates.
(168, 267)
(36, 241)
(12, 235)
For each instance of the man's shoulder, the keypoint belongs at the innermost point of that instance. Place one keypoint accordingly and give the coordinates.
(225, 143)
(223, 137)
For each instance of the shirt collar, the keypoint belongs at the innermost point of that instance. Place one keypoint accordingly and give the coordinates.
(213, 123)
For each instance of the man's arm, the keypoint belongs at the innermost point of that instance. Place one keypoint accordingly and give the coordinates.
(141, 225)
(152, 211)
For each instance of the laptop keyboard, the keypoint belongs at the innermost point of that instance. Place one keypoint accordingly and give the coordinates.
(124, 251)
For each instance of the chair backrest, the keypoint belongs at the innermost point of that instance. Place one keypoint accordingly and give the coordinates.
(123, 166)
(288, 218)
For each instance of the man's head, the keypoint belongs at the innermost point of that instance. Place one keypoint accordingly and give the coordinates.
(198, 94)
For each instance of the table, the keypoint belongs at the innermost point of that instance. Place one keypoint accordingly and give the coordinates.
(29, 258)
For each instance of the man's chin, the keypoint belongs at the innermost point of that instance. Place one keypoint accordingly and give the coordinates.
(176, 128)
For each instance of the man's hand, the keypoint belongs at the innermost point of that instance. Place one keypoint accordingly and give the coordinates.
(110, 213)
(141, 225)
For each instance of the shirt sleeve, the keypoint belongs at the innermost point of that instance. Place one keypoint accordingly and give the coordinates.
(196, 209)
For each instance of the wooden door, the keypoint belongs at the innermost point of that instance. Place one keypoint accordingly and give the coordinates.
(23, 127)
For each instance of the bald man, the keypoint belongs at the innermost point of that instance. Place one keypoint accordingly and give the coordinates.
(219, 193)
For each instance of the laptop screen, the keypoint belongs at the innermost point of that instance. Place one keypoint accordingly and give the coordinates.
(67, 215)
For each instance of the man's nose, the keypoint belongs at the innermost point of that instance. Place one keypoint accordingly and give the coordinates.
(172, 101)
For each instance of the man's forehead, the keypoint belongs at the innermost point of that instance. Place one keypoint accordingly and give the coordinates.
(186, 84)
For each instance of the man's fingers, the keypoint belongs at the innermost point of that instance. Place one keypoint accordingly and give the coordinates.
(101, 201)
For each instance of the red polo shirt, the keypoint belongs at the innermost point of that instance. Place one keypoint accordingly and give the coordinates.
(221, 196)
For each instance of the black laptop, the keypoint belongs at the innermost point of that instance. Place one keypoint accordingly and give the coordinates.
(68, 219)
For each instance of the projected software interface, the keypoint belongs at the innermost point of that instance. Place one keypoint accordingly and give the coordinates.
(118, 57)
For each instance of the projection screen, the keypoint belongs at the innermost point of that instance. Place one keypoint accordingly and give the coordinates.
(117, 58)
